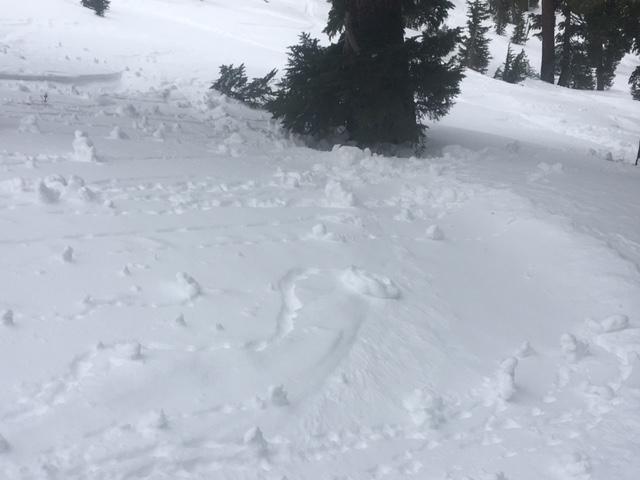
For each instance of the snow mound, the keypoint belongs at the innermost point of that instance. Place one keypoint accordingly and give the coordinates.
(434, 232)
(117, 134)
(4, 445)
(254, 439)
(29, 124)
(614, 323)
(369, 284)
(425, 409)
(338, 196)
(67, 255)
(83, 148)
(45, 194)
(278, 396)
(573, 348)
(348, 156)
(7, 318)
(188, 287)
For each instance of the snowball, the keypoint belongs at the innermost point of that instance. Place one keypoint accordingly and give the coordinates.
(189, 287)
(83, 148)
(338, 196)
(180, 320)
(47, 195)
(278, 396)
(573, 348)
(425, 409)
(7, 318)
(347, 155)
(319, 230)
(255, 439)
(506, 379)
(75, 182)
(434, 232)
(127, 111)
(67, 255)
(369, 284)
(118, 134)
(87, 195)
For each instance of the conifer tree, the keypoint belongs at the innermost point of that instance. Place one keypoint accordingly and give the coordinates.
(98, 6)
(520, 30)
(515, 68)
(374, 83)
(605, 38)
(233, 82)
(501, 12)
(474, 53)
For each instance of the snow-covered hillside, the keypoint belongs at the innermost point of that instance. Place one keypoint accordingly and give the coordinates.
(186, 293)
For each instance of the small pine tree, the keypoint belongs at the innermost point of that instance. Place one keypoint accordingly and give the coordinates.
(515, 69)
(634, 81)
(474, 53)
(233, 83)
(521, 30)
(98, 6)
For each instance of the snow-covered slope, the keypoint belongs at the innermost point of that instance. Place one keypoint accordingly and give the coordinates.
(186, 293)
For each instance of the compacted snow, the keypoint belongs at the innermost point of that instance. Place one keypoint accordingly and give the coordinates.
(186, 293)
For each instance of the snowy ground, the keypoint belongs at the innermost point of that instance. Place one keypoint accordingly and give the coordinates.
(187, 294)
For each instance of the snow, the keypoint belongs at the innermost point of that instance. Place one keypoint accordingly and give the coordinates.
(211, 299)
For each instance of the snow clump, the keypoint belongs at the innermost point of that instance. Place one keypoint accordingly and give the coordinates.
(369, 284)
(83, 148)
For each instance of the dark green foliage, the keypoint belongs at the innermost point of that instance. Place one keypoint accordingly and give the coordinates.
(98, 6)
(577, 73)
(605, 39)
(312, 98)
(592, 37)
(474, 52)
(501, 12)
(374, 83)
(428, 14)
(515, 69)
(233, 82)
(520, 30)
(634, 81)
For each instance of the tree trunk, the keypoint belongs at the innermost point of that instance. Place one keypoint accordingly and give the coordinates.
(548, 41)
(598, 55)
(384, 109)
(565, 60)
